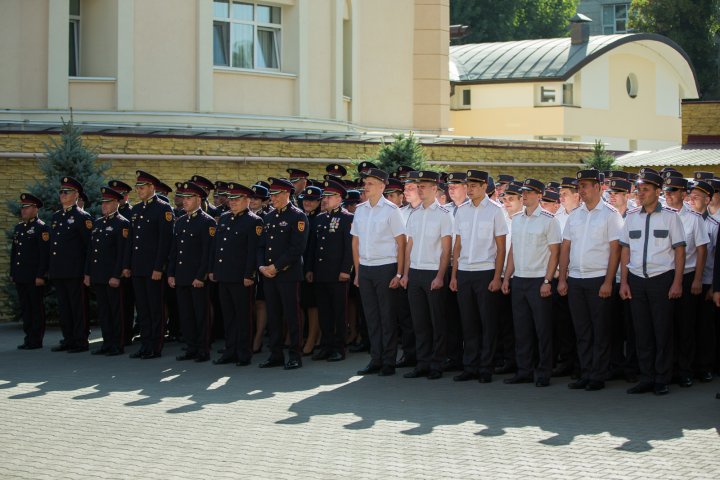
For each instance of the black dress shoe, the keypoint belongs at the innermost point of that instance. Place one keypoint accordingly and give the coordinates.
(406, 362)
(579, 384)
(320, 355)
(99, 351)
(594, 385)
(270, 363)
(114, 352)
(705, 377)
(542, 382)
(186, 356)
(416, 373)
(243, 363)
(485, 377)
(33, 347)
(386, 371)
(78, 349)
(517, 379)
(293, 364)
(562, 370)
(23, 347)
(505, 369)
(360, 347)
(465, 376)
(203, 357)
(369, 369)
(434, 375)
(685, 382)
(137, 354)
(59, 348)
(642, 387)
(336, 357)
(661, 389)
(151, 355)
(452, 366)
(223, 360)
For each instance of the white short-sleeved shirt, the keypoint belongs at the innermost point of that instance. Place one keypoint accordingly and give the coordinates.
(376, 228)
(427, 227)
(477, 227)
(406, 211)
(652, 241)
(532, 235)
(695, 235)
(712, 226)
(590, 233)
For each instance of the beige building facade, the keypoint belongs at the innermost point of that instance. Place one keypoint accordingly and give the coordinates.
(296, 65)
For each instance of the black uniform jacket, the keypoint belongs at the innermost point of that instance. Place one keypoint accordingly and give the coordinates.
(330, 246)
(152, 227)
(233, 256)
(283, 242)
(29, 252)
(109, 249)
(190, 251)
(69, 237)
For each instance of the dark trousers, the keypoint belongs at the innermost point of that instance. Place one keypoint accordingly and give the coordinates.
(331, 299)
(33, 312)
(623, 350)
(686, 318)
(405, 322)
(282, 300)
(705, 335)
(173, 316)
(593, 328)
(194, 309)
(111, 315)
(217, 323)
(128, 319)
(236, 301)
(428, 315)
(653, 320)
(454, 336)
(532, 317)
(379, 305)
(564, 341)
(73, 313)
(479, 315)
(150, 305)
(505, 349)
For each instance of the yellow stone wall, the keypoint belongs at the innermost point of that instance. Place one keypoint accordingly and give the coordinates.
(700, 118)
(17, 173)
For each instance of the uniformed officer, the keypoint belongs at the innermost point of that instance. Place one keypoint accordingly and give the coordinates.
(503, 181)
(108, 256)
(478, 260)
(177, 206)
(352, 200)
(152, 226)
(208, 187)
(532, 262)
(550, 201)
(589, 258)
(233, 266)
(128, 294)
(336, 169)
(220, 196)
(687, 307)
(188, 269)
(28, 269)
(259, 206)
(69, 236)
(329, 266)
(310, 198)
(378, 245)
(394, 192)
(299, 179)
(652, 264)
(280, 260)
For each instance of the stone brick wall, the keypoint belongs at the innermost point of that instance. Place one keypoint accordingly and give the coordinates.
(17, 173)
(700, 118)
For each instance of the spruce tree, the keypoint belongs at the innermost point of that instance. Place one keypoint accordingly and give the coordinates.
(600, 158)
(404, 150)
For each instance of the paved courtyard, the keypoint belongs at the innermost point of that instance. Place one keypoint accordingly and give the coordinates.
(80, 416)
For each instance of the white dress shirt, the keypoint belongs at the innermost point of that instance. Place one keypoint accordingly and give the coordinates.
(427, 227)
(712, 226)
(695, 235)
(477, 227)
(376, 228)
(652, 240)
(532, 235)
(590, 233)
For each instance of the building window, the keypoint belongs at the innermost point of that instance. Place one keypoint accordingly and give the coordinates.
(631, 85)
(74, 40)
(615, 18)
(246, 35)
(466, 100)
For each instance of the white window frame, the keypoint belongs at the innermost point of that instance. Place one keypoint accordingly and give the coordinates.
(75, 22)
(257, 26)
(611, 23)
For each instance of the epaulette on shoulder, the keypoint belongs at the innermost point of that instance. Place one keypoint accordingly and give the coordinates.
(611, 208)
(669, 209)
(57, 211)
(694, 212)
(712, 220)
(442, 208)
(516, 214)
(633, 210)
(466, 202)
(547, 214)
(495, 202)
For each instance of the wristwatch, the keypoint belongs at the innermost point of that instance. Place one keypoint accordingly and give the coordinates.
(546, 281)
(398, 275)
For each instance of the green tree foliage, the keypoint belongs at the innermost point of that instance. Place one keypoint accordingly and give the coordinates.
(600, 158)
(693, 24)
(404, 150)
(493, 21)
(64, 157)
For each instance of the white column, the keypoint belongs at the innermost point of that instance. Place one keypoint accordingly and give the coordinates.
(125, 83)
(58, 54)
(303, 84)
(356, 22)
(204, 62)
(337, 85)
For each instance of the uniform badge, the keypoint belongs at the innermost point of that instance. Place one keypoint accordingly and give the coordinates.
(71, 220)
(31, 231)
(258, 230)
(212, 231)
(301, 226)
(125, 232)
(168, 216)
(88, 224)
(109, 228)
(46, 236)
